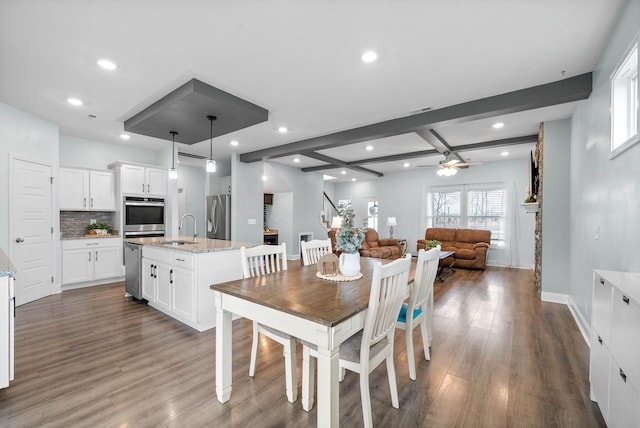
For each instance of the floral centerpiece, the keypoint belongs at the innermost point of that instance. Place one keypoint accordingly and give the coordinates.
(349, 239)
(433, 244)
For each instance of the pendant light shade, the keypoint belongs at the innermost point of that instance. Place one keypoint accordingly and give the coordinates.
(173, 173)
(211, 163)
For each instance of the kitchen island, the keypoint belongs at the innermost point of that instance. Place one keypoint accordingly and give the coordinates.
(177, 273)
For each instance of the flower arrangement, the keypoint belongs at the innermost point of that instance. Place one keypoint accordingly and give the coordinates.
(433, 244)
(348, 239)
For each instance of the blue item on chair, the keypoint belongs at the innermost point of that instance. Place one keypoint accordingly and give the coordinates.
(402, 317)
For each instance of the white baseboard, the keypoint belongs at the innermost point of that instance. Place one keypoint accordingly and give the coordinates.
(511, 267)
(583, 325)
(66, 287)
(547, 296)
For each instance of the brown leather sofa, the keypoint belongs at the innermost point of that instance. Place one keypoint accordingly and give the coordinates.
(373, 246)
(470, 246)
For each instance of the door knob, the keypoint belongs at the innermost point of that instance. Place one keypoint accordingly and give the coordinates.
(19, 240)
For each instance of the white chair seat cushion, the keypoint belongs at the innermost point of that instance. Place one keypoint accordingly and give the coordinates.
(350, 348)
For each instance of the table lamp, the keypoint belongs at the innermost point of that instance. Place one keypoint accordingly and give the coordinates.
(336, 222)
(391, 221)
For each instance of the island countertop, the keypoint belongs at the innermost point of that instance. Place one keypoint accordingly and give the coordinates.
(6, 267)
(201, 245)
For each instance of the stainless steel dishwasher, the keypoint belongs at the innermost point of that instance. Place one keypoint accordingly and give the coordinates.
(133, 266)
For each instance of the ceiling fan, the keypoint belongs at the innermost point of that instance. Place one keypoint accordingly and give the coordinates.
(448, 167)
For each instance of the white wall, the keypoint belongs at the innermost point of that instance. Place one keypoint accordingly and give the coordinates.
(556, 207)
(82, 153)
(605, 194)
(400, 195)
(246, 201)
(192, 180)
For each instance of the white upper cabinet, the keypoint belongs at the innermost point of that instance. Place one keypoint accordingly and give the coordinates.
(86, 190)
(143, 181)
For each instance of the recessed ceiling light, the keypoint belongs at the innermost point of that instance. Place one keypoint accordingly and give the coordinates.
(497, 125)
(504, 154)
(234, 143)
(328, 177)
(74, 101)
(282, 130)
(296, 160)
(406, 165)
(369, 148)
(264, 178)
(353, 179)
(369, 56)
(125, 136)
(106, 64)
(343, 172)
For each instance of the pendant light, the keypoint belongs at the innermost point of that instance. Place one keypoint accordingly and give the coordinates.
(211, 163)
(173, 173)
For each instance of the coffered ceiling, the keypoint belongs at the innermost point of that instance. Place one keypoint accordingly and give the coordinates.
(301, 62)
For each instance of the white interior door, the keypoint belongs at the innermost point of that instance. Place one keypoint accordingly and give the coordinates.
(31, 229)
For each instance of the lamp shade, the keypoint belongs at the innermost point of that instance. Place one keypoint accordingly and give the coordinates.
(391, 221)
(336, 222)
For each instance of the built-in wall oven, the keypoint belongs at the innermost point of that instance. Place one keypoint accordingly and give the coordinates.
(143, 217)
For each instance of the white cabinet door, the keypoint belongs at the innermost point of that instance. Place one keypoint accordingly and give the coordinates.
(107, 262)
(623, 400)
(601, 308)
(148, 280)
(599, 372)
(225, 185)
(133, 180)
(102, 191)
(156, 180)
(164, 277)
(183, 293)
(625, 337)
(74, 189)
(77, 265)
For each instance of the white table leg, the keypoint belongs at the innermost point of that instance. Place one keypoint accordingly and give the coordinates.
(223, 351)
(328, 388)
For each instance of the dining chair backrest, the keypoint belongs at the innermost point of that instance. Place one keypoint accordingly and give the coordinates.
(426, 270)
(388, 290)
(314, 249)
(263, 259)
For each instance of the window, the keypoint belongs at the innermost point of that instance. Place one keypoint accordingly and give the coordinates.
(624, 103)
(471, 207)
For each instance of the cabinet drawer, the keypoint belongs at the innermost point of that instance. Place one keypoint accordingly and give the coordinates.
(174, 258)
(599, 372)
(78, 244)
(601, 307)
(625, 340)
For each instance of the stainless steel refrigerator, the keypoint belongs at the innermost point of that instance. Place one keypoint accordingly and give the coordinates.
(219, 217)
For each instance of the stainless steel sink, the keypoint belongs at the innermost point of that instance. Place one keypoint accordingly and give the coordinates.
(176, 242)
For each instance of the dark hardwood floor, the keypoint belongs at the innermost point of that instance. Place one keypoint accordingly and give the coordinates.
(499, 358)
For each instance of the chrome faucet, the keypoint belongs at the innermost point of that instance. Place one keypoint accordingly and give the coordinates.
(195, 228)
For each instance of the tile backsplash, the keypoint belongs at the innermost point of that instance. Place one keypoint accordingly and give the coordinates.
(73, 224)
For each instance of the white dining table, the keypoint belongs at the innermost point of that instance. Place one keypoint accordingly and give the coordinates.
(296, 301)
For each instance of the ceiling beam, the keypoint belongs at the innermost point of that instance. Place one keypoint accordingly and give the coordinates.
(563, 91)
(525, 139)
(336, 163)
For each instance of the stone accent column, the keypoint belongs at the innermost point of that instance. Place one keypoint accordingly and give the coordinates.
(537, 268)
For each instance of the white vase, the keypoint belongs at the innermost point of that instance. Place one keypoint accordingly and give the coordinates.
(350, 264)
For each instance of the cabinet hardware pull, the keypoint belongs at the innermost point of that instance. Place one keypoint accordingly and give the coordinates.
(171, 276)
(94, 243)
(96, 255)
(601, 281)
(625, 299)
(148, 188)
(623, 376)
(600, 340)
(84, 202)
(155, 271)
(180, 260)
(142, 187)
(91, 203)
(89, 255)
(151, 271)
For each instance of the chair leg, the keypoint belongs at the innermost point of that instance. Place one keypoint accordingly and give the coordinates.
(254, 350)
(290, 371)
(342, 373)
(426, 342)
(393, 387)
(308, 379)
(365, 398)
(411, 359)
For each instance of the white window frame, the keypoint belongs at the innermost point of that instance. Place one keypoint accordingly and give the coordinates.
(463, 218)
(625, 110)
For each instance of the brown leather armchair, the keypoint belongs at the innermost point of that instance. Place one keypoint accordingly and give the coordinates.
(373, 246)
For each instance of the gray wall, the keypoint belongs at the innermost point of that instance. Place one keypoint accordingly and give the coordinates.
(192, 180)
(246, 200)
(400, 195)
(81, 153)
(556, 207)
(604, 193)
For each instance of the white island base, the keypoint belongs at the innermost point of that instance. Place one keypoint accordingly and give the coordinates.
(177, 282)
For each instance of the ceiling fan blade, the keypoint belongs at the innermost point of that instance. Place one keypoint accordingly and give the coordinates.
(428, 166)
(462, 164)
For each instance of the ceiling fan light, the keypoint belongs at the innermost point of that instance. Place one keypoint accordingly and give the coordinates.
(453, 171)
(211, 165)
(441, 172)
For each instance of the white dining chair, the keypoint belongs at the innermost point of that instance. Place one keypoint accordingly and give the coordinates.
(368, 348)
(418, 311)
(263, 260)
(314, 249)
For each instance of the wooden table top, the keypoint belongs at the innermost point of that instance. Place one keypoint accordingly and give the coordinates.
(300, 292)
